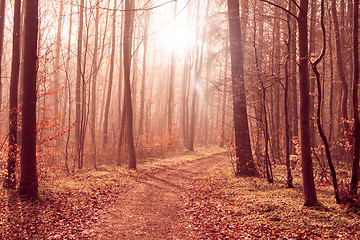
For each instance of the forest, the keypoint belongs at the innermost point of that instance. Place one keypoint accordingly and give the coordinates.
(179, 119)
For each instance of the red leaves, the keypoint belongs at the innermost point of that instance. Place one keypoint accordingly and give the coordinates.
(58, 215)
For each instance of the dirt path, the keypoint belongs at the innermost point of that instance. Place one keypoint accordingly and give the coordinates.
(153, 207)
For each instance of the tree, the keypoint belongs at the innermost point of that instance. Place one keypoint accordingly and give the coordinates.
(2, 25)
(78, 81)
(57, 56)
(111, 74)
(356, 131)
(307, 165)
(245, 165)
(128, 31)
(340, 66)
(29, 182)
(10, 178)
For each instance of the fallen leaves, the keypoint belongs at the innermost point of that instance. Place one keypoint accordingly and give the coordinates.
(225, 207)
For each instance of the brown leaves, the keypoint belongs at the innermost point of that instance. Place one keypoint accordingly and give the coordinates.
(225, 207)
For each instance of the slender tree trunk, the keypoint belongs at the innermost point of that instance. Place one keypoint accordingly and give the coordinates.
(245, 165)
(294, 93)
(78, 79)
(318, 115)
(340, 66)
(29, 182)
(289, 178)
(128, 31)
(111, 74)
(10, 178)
(356, 131)
(331, 102)
(57, 58)
(143, 77)
(312, 75)
(307, 165)
(95, 69)
(2, 26)
(224, 100)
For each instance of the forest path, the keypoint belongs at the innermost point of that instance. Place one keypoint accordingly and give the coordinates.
(153, 207)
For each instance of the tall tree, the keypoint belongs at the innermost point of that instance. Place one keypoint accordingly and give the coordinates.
(95, 69)
(340, 66)
(356, 131)
(307, 165)
(128, 31)
(245, 165)
(2, 26)
(78, 79)
(57, 56)
(111, 75)
(29, 182)
(10, 178)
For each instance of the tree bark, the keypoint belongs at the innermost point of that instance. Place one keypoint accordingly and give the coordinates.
(340, 66)
(95, 69)
(57, 58)
(2, 26)
(307, 165)
(111, 74)
(245, 165)
(78, 78)
(29, 182)
(128, 31)
(10, 178)
(356, 132)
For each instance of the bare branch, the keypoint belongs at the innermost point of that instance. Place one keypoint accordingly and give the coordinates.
(282, 8)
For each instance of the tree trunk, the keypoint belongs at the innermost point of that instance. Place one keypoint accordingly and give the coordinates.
(95, 69)
(10, 178)
(289, 178)
(128, 31)
(245, 165)
(2, 26)
(307, 165)
(339, 61)
(57, 59)
(224, 100)
(318, 115)
(78, 80)
(29, 182)
(143, 78)
(356, 132)
(111, 74)
(312, 76)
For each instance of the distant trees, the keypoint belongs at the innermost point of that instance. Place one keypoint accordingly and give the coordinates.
(172, 63)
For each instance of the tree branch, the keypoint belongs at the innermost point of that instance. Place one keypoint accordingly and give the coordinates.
(282, 8)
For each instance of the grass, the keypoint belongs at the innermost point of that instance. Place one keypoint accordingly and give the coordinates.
(225, 206)
(109, 176)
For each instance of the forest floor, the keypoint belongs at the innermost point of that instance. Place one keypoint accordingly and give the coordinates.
(190, 196)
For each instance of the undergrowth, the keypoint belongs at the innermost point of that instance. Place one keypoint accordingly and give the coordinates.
(225, 207)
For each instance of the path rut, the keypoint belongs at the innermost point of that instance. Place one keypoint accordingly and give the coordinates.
(153, 207)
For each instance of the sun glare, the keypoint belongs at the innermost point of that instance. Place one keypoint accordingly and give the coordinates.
(176, 34)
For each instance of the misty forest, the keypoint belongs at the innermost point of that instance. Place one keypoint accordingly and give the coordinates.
(179, 119)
